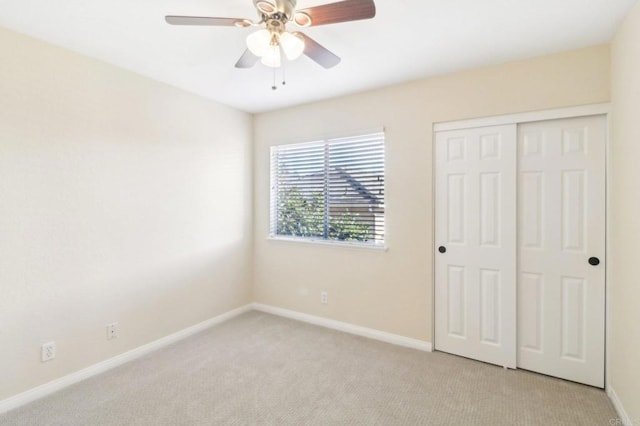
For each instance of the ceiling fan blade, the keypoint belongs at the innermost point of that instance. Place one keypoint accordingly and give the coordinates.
(319, 53)
(247, 60)
(202, 20)
(343, 11)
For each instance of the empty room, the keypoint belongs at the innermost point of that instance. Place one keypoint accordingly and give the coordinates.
(312, 212)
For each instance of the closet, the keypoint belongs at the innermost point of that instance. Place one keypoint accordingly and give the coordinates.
(520, 245)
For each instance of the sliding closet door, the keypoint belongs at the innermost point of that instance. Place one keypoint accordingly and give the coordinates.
(561, 237)
(475, 267)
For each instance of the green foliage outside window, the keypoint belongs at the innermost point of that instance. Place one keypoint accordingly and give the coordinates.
(303, 216)
(347, 228)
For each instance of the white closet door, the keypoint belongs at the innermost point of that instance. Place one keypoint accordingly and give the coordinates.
(476, 225)
(561, 296)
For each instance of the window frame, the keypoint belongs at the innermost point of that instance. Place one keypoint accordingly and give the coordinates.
(375, 245)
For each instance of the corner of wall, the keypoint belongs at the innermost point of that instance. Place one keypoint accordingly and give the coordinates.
(624, 374)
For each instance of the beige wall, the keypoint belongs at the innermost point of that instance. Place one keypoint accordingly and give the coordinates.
(624, 348)
(121, 199)
(392, 291)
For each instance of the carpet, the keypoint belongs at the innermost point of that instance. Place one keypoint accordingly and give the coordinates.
(259, 369)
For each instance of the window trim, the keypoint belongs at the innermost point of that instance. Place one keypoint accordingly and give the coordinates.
(323, 141)
(379, 247)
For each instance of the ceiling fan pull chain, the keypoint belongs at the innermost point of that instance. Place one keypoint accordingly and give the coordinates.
(284, 74)
(274, 87)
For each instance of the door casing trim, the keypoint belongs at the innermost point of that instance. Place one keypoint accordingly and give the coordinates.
(525, 117)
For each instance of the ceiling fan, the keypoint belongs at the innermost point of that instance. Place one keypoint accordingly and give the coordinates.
(268, 44)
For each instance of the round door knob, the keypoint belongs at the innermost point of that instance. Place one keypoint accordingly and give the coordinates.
(594, 261)
(442, 249)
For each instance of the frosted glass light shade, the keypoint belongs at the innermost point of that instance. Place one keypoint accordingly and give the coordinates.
(259, 42)
(292, 44)
(271, 57)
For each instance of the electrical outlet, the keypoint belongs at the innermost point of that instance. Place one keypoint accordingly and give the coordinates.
(48, 351)
(112, 331)
(324, 297)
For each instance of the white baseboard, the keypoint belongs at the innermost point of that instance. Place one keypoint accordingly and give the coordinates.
(347, 328)
(73, 378)
(626, 420)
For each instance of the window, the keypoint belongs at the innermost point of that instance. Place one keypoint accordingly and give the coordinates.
(329, 190)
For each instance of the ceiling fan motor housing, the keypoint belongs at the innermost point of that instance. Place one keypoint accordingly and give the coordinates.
(286, 7)
(275, 25)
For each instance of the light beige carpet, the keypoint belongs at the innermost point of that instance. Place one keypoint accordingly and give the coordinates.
(261, 369)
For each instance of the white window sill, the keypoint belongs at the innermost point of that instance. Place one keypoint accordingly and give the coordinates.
(329, 243)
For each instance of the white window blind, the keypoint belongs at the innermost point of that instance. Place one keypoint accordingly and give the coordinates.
(330, 190)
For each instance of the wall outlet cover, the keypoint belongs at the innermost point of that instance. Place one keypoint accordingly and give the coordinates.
(48, 351)
(113, 330)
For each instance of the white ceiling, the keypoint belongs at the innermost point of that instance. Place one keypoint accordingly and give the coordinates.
(407, 40)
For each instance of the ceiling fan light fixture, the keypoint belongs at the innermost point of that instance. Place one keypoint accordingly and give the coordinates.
(292, 45)
(272, 57)
(302, 19)
(265, 7)
(259, 42)
(273, 40)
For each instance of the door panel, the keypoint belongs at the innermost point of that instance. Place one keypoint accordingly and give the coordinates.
(456, 213)
(456, 297)
(561, 210)
(490, 306)
(531, 290)
(476, 223)
(490, 203)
